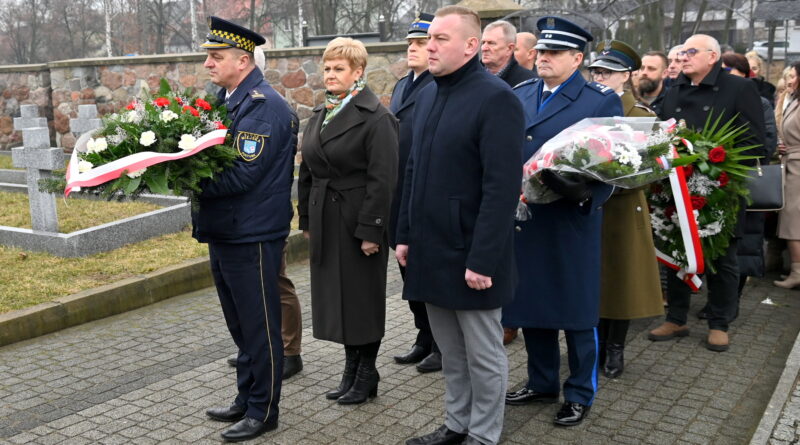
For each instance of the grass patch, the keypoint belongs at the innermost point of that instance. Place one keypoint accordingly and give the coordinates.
(5, 162)
(73, 214)
(28, 278)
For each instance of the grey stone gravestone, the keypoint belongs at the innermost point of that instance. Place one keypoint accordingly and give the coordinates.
(39, 160)
(87, 120)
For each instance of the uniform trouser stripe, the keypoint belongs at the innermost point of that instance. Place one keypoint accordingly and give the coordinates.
(266, 328)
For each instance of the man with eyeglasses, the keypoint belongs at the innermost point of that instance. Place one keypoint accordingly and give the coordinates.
(704, 89)
(558, 248)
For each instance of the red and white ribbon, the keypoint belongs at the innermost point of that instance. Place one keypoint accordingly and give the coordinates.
(132, 163)
(688, 225)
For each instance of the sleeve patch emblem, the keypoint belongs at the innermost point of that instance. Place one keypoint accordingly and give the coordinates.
(250, 145)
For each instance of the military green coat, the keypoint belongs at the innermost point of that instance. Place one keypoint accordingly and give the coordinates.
(630, 286)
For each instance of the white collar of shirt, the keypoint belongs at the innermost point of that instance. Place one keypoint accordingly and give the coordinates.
(620, 93)
(551, 90)
(228, 94)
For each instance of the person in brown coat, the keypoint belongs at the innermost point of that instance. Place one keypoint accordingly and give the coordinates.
(629, 282)
(347, 179)
(789, 148)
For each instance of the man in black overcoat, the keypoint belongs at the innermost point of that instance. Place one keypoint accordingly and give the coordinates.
(703, 88)
(456, 225)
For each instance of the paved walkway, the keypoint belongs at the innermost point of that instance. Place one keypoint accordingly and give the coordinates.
(147, 376)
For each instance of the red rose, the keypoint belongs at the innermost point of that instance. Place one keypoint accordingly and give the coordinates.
(161, 102)
(716, 155)
(131, 106)
(200, 103)
(221, 126)
(179, 100)
(669, 211)
(192, 110)
(723, 179)
(698, 202)
(688, 170)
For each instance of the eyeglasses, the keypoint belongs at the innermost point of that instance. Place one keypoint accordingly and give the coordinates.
(691, 52)
(601, 74)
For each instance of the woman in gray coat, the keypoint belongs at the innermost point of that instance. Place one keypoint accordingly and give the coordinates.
(347, 178)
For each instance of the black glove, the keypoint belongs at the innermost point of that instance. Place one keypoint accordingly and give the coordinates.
(574, 190)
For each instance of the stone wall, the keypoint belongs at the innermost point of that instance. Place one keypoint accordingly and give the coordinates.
(59, 87)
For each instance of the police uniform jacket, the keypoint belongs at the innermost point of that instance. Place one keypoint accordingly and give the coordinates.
(719, 93)
(403, 111)
(558, 248)
(630, 286)
(251, 201)
(347, 178)
(461, 188)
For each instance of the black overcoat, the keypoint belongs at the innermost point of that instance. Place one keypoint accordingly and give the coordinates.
(719, 93)
(346, 182)
(403, 110)
(515, 74)
(462, 185)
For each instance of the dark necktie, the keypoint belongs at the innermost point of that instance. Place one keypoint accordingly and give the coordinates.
(545, 95)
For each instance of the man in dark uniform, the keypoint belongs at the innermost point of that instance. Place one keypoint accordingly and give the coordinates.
(497, 53)
(244, 215)
(703, 88)
(558, 249)
(425, 352)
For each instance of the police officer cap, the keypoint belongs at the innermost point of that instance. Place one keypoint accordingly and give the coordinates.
(224, 34)
(616, 56)
(559, 34)
(419, 27)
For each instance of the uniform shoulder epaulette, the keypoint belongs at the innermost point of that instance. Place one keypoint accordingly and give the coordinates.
(526, 82)
(600, 88)
(257, 95)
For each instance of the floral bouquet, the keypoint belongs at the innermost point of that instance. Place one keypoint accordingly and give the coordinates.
(128, 155)
(627, 152)
(706, 210)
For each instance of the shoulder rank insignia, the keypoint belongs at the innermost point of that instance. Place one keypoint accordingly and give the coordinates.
(600, 87)
(250, 145)
(525, 82)
(255, 94)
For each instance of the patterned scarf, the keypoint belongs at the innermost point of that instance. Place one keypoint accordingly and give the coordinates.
(335, 102)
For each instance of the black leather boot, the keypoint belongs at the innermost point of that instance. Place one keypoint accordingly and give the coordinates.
(348, 376)
(366, 384)
(615, 362)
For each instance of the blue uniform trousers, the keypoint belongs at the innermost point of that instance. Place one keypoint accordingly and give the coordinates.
(544, 363)
(246, 277)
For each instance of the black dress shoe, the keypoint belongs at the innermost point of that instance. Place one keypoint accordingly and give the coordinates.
(615, 361)
(571, 414)
(248, 428)
(230, 414)
(292, 364)
(442, 436)
(525, 396)
(232, 361)
(415, 355)
(431, 363)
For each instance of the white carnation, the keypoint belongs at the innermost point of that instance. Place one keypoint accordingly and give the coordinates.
(168, 115)
(187, 142)
(96, 145)
(84, 166)
(147, 138)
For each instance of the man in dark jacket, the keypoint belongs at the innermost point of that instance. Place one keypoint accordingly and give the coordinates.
(455, 231)
(701, 89)
(425, 352)
(651, 79)
(497, 53)
(244, 216)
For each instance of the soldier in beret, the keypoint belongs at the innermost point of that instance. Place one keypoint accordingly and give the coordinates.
(629, 281)
(244, 216)
(558, 249)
